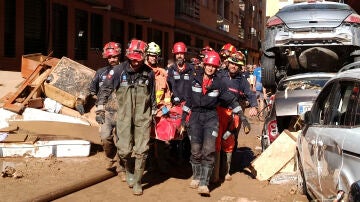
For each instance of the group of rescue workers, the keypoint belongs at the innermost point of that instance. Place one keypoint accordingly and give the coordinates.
(133, 95)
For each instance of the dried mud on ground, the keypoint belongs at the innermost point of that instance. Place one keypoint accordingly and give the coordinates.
(44, 176)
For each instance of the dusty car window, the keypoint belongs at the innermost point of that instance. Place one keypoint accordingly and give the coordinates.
(301, 84)
(323, 105)
(341, 107)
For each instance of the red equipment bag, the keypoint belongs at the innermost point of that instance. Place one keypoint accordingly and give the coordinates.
(168, 127)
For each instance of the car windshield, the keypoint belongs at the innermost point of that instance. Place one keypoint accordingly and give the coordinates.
(315, 6)
(302, 84)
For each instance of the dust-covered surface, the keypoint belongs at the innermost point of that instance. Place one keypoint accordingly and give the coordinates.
(43, 176)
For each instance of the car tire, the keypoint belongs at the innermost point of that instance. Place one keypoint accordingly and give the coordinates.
(301, 183)
(268, 72)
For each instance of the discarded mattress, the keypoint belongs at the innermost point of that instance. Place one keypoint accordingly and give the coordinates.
(46, 148)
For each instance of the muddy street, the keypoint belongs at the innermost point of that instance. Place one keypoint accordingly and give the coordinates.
(50, 178)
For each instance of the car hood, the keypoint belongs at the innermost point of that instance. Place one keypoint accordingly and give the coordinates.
(286, 105)
(313, 18)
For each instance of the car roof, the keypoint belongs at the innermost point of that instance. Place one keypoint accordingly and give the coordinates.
(310, 75)
(351, 71)
(322, 5)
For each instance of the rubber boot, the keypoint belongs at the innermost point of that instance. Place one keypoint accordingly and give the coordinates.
(228, 164)
(196, 168)
(138, 173)
(122, 170)
(206, 171)
(129, 170)
(215, 176)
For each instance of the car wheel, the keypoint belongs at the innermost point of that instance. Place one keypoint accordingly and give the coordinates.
(301, 183)
(268, 72)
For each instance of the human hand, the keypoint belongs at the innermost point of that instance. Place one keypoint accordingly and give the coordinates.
(79, 106)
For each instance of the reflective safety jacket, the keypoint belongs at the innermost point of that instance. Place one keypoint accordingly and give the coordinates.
(180, 81)
(98, 79)
(162, 89)
(97, 82)
(239, 87)
(216, 92)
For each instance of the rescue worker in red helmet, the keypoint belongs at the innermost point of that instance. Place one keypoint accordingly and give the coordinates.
(229, 124)
(207, 91)
(134, 84)
(179, 76)
(111, 52)
(226, 51)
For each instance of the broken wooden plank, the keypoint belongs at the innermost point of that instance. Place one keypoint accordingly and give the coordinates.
(15, 138)
(276, 156)
(90, 133)
(11, 103)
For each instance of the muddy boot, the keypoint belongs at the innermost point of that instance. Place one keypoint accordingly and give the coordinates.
(129, 170)
(138, 173)
(206, 171)
(215, 177)
(196, 168)
(228, 164)
(122, 171)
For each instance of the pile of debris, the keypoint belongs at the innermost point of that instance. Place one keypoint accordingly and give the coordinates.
(42, 117)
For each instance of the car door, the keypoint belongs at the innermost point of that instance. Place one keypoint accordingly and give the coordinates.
(331, 140)
(309, 140)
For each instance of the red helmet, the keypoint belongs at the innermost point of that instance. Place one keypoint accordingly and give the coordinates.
(212, 58)
(195, 61)
(227, 50)
(136, 50)
(205, 50)
(179, 47)
(111, 49)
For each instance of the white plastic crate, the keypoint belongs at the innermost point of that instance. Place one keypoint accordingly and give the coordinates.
(42, 149)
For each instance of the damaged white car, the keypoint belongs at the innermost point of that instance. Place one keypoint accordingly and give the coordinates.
(328, 151)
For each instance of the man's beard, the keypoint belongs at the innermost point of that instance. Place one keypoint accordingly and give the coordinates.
(180, 61)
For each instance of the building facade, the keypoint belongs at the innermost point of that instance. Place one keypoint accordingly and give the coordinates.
(78, 29)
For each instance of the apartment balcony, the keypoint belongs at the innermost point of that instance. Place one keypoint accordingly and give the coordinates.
(223, 24)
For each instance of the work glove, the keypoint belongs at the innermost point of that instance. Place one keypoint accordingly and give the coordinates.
(164, 110)
(245, 123)
(79, 106)
(100, 115)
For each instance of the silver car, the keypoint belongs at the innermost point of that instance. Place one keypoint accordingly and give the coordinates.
(305, 37)
(328, 148)
(294, 96)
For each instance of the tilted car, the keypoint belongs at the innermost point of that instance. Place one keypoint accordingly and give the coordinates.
(328, 148)
(294, 96)
(304, 37)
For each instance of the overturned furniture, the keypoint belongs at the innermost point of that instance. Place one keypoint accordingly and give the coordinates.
(68, 82)
(279, 156)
